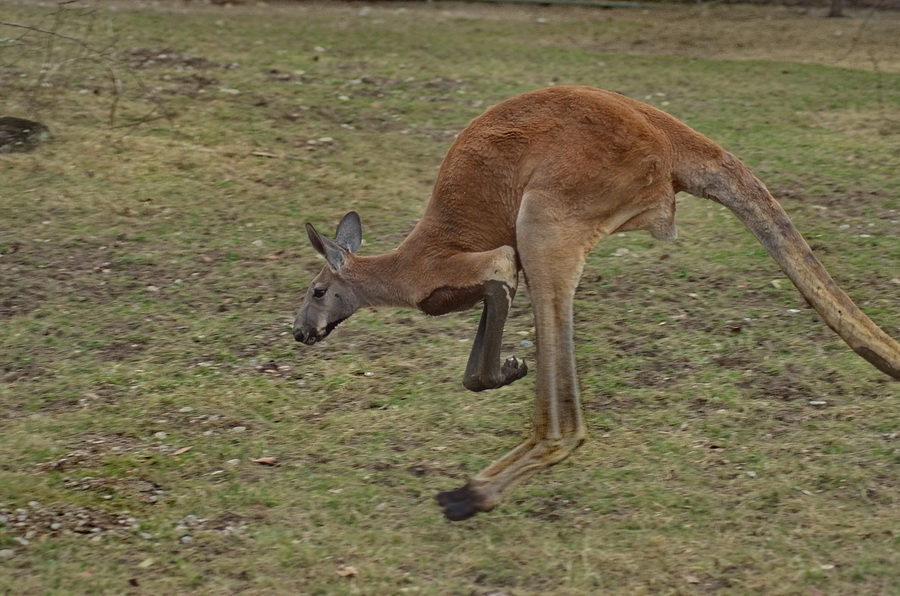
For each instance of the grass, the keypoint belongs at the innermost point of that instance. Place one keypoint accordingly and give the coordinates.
(151, 272)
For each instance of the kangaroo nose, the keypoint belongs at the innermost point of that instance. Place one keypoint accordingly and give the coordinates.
(307, 336)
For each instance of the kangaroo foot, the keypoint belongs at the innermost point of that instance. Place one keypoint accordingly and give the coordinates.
(462, 503)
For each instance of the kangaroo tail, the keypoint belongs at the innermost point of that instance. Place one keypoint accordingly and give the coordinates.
(724, 179)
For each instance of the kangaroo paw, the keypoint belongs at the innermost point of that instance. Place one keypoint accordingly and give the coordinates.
(462, 503)
(513, 370)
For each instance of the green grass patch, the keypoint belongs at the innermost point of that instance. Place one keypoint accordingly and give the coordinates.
(150, 271)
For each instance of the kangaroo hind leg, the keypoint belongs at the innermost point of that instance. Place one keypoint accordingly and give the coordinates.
(552, 256)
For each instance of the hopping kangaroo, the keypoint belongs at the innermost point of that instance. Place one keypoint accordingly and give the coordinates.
(533, 184)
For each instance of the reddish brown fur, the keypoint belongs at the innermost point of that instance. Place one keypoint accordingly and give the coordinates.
(533, 184)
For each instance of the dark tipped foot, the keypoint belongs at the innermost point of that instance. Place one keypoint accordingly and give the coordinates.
(460, 504)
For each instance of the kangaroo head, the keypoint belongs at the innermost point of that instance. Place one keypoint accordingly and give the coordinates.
(331, 298)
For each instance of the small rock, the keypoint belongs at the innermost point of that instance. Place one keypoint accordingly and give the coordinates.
(160, 435)
(258, 243)
(186, 539)
(238, 429)
(7, 553)
(526, 343)
(152, 288)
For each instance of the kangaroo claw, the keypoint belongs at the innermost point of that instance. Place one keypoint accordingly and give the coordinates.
(513, 370)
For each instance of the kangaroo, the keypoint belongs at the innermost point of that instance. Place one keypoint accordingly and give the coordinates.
(533, 185)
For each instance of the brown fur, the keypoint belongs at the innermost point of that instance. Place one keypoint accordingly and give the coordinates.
(533, 184)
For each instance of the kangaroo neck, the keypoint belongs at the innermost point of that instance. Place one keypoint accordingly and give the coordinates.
(385, 280)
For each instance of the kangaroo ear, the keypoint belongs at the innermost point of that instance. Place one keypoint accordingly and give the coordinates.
(328, 248)
(349, 232)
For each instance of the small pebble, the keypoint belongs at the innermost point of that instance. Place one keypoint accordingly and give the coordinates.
(7, 553)
(186, 539)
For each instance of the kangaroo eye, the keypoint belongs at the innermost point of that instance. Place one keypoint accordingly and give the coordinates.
(319, 292)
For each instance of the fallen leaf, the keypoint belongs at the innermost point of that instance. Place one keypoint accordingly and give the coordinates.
(276, 255)
(265, 461)
(146, 563)
(181, 450)
(348, 571)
